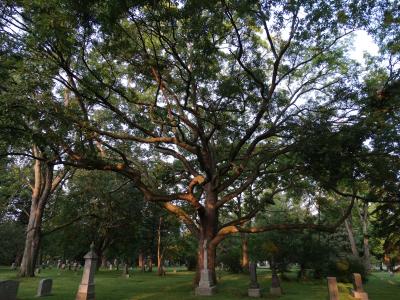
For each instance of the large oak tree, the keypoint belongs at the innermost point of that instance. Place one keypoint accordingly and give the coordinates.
(195, 102)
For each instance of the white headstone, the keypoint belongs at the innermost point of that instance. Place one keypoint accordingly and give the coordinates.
(86, 288)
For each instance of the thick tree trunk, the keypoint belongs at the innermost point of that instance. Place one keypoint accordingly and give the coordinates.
(245, 252)
(32, 242)
(42, 189)
(208, 230)
(367, 254)
(363, 213)
(350, 234)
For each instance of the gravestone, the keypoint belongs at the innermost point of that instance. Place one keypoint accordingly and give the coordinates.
(126, 271)
(59, 263)
(44, 288)
(8, 289)
(86, 288)
(62, 266)
(332, 288)
(254, 288)
(116, 264)
(75, 267)
(206, 285)
(37, 270)
(275, 284)
(110, 267)
(358, 290)
(13, 266)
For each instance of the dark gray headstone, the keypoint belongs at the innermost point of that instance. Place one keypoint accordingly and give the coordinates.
(253, 276)
(44, 288)
(254, 288)
(275, 284)
(8, 289)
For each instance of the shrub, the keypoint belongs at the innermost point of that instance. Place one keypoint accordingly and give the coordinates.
(343, 268)
(231, 260)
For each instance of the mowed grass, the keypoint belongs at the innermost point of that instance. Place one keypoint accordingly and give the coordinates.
(111, 285)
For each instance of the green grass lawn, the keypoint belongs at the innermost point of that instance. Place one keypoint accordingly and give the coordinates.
(110, 285)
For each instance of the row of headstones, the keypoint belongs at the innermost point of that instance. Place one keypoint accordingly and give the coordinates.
(74, 266)
(9, 289)
(357, 291)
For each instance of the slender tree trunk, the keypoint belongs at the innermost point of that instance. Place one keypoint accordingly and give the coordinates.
(245, 252)
(363, 213)
(150, 264)
(350, 234)
(141, 261)
(160, 269)
(103, 261)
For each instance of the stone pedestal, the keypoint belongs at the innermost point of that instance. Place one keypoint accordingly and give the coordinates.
(205, 291)
(276, 291)
(358, 290)
(256, 292)
(86, 288)
(332, 288)
(206, 284)
(359, 295)
(254, 288)
(206, 287)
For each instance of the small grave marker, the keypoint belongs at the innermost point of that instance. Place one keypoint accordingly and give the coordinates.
(44, 288)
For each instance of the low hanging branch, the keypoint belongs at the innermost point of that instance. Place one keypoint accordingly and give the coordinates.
(230, 229)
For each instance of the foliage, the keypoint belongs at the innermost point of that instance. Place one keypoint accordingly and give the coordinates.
(343, 268)
(229, 255)
(12, 241)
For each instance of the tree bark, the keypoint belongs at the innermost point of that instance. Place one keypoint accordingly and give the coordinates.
(32, 242)
(208, 230)
(350, 234)
(43, 186)
(141, 262)
(363, 213)
(245, 252)
(160, 268)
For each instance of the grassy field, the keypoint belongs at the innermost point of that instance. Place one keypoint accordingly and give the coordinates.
(110, 285)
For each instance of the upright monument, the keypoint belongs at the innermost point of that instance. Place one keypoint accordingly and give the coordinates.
(86, 288)
(206, 284)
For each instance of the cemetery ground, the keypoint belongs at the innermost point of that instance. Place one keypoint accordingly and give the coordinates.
(111, 285)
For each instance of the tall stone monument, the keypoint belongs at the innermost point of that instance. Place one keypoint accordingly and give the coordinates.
(275, 284)
(254, 288)
(358, 290)
(206, 284)
(332, 288)
(86, 288)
